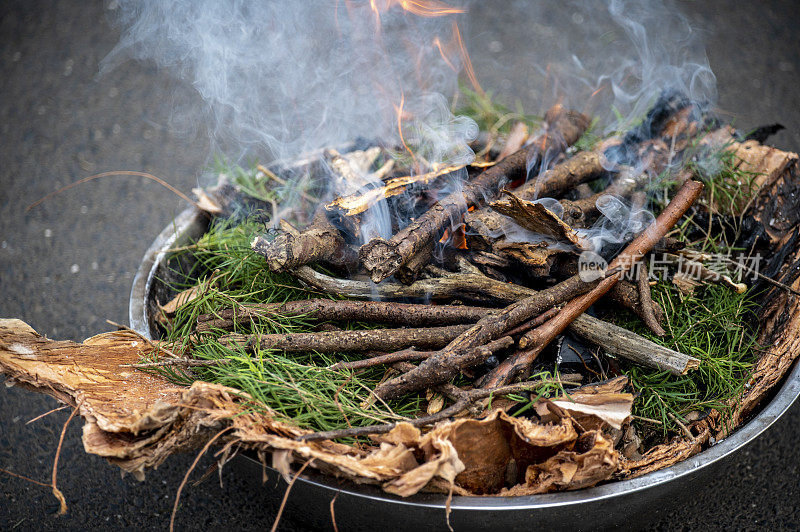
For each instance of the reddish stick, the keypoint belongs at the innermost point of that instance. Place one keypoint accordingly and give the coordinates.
(538, 338)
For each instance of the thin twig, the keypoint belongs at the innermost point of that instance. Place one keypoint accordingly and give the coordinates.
(333, 514)
(57, 492)
(40, 416)
(684, 429)
(281, 181)
(116, 173)
(286, 495)
(646, 301)
(23, 477)
(189, 472)
(763, 277)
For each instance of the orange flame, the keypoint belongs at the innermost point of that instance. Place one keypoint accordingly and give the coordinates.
(422, 8)
(400, 116)
(466, 61)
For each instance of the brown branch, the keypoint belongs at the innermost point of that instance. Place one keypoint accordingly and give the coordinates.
(472, 286)
(347, 341)
(409, 314)
(445, 364)
(646, 301)
(538, 338)
(383, 258)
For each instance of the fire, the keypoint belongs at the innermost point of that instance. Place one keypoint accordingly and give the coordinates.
(400, 116)
(422, 8)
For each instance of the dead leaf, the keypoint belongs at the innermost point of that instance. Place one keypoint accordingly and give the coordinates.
(205, 202)
(188, 295)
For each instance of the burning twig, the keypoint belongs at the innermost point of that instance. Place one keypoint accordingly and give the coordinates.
(539, 338)
(383, 258)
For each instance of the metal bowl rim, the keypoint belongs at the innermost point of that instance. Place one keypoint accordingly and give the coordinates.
(743, 435)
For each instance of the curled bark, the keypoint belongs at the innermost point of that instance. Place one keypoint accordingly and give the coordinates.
(382, 258)
(538, 338)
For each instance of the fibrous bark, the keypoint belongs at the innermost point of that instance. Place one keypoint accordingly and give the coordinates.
(383, 258)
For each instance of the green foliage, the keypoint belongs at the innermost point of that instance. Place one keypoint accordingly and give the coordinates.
(297, 387)
(490, 115)
(714, 325)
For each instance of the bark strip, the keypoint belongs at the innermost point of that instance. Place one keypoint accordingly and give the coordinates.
(383, 258)
(349, 341)
(538, 338)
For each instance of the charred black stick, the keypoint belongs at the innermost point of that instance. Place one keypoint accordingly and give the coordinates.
(349, 341)
(407, 314)
(384, 258)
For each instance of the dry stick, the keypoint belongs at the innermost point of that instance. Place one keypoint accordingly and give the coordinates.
(538, 338)
(62, 509)
(449, 285)
(409, 314)
(466, 398)
(286, 495)
(319, 242)
(40, 416)
(446, 364)
(189, 472)
(646, 301)
(346, 341)
(625, 344)
(383, 258)
(23, 477)
(492, 286)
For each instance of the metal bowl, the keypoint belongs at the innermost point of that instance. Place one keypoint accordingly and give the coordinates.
(626, 502)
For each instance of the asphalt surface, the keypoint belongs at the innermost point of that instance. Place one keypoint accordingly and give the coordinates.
(67, 265)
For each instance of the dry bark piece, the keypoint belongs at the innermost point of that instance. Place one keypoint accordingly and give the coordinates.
(383, 258)
(515, 140)
(346, 341)
(409, 314)
(320, 242)
(536, 217)
(538, 338)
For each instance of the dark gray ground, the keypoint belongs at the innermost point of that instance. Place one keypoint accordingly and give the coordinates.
(68, 265)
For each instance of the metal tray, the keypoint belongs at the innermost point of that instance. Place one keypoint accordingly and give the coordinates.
(624, 503)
